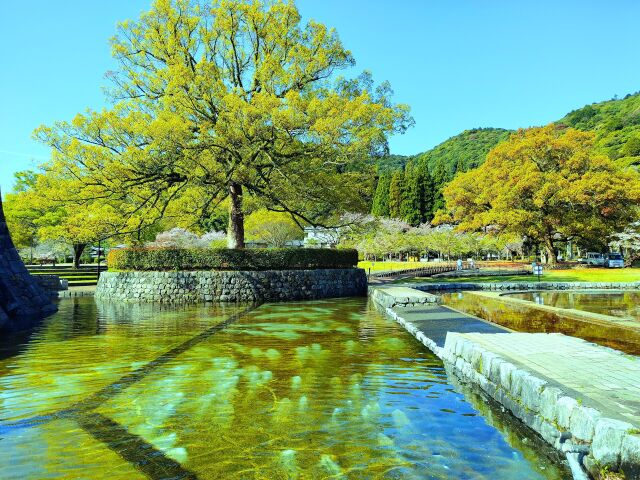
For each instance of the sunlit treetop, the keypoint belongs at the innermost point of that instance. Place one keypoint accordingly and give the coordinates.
(224, 98)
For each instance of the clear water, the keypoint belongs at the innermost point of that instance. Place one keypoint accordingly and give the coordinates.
(524, 318)
(624, 304)
(310, 390)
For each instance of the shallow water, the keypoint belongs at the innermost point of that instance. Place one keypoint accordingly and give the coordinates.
(624, 304)
(324, 389)
(523, 318)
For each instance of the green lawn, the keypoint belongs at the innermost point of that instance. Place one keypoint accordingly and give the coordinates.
(576, 275)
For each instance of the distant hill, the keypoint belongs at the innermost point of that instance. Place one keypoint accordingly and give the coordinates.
(616, 123)
(390, 163)
(463, 152)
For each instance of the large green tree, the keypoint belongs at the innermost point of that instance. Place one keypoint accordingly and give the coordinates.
(546, 184)
(222, 99)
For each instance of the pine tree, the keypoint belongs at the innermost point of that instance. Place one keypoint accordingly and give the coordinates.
(380, 205)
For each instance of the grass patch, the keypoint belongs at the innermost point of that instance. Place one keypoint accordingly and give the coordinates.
(576, 275)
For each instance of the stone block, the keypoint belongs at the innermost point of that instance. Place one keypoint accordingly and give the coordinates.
(606, 447)
(548, 400)
(562, 413)
(630, 455)
(583, 423)
(531, 390)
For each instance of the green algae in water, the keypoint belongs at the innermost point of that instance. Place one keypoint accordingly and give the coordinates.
(349, 395)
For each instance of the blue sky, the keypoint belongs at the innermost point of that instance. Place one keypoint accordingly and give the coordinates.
(459, 63)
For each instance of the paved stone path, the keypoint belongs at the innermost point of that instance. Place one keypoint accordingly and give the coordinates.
(435, 321)
(602, 377)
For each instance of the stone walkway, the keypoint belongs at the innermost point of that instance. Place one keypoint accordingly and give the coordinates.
(436, 321)
(600, 377)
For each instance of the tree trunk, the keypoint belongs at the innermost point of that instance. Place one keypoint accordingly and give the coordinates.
(552, 255)
(235, 233)
(78, 248)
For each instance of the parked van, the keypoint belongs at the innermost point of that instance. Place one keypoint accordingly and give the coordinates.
(614, 260)
(594, 258)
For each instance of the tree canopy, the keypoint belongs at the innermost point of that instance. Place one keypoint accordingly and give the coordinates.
(213, 101)
(547, 184)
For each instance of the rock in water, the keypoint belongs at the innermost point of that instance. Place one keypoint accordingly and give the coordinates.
(21, 298)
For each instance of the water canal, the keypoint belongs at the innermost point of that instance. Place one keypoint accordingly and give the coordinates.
(322, 389)
(624, 304)
(522, 317)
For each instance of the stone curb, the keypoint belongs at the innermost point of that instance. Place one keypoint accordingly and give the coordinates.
(401, 297)
(560, 419)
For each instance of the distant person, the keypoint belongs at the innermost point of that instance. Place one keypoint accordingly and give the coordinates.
(472, 264)
(459, 265)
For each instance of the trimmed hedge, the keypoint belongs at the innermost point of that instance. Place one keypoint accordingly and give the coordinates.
(161, 259)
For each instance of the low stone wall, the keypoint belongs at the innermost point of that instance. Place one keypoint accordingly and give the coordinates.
(590, 435)
(232, 286)
(482, 273)
(51, 283)
(511, 286)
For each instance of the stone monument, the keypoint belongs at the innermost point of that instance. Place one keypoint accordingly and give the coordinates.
(22, 300)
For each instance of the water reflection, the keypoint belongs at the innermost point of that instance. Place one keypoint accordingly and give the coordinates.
(326, 389)
(625, 304)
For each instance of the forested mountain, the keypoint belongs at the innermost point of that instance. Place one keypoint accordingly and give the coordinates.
(390, 163)
(410, 187)
(616, 123)
(412, 190)
(463, 152)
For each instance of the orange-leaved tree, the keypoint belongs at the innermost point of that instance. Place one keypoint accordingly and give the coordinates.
(546, 183)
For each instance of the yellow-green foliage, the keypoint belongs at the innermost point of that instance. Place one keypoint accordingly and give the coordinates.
(235, 94)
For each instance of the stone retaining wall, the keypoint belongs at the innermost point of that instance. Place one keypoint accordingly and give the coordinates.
(232, 286)
(586, 435)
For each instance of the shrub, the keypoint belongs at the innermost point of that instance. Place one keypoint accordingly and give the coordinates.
(226, 259)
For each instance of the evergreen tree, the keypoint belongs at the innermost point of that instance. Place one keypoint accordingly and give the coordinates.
(440, 179)
(412, 208)
(427, 192)
(380, 205)
(396, 194)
